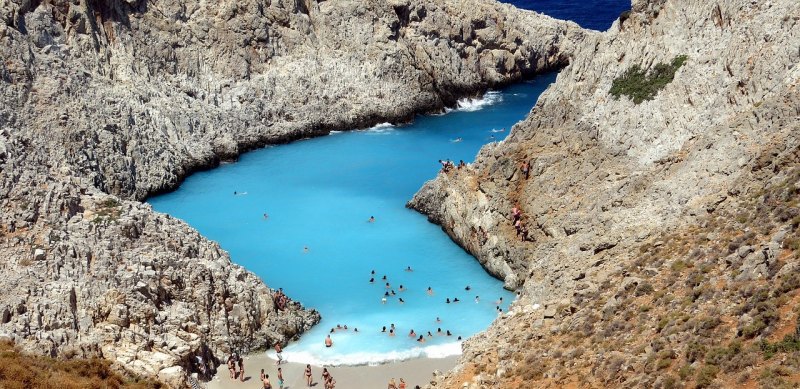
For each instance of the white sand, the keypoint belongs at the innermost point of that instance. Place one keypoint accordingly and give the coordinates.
(415, 372)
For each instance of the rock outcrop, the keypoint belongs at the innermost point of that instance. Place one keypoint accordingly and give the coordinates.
(610, 178)
(103, 103)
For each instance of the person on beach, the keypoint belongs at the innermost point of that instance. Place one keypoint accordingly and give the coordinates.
(392, 384)
(325, 374)
(265, 380)
(331, 383)
(278, 353)
(309, 379)
(232, 366)
(241, 369)
(328, 341)
(371, 219)
(280, 378)
(402, 384)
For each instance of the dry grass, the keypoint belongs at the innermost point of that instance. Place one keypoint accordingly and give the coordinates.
(22, 371)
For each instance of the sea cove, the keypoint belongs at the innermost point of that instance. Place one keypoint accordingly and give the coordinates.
(316, 241)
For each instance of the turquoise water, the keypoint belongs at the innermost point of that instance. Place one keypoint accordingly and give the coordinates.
(319, 193)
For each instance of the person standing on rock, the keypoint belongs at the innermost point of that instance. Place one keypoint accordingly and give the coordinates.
(526, 169)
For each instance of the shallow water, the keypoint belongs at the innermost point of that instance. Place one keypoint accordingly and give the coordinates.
(319, 193)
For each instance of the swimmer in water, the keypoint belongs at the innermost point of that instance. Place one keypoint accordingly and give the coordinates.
(456, 140)
(384, 277)
(430, 334)
(371, 219)
(401, 300)
(448, 333)
(421, 339)
(448, 300)
(266, 216)
(328, 341)
(384, 329)
(409, 269)
(383, 300)
(477, 299)
(412, 334)
(438, 320)
(402, 289)
(467, 288)
(391, 332)
(430, 291)
(372, 280)
(388, 286)
(455, 300)
(306, 249)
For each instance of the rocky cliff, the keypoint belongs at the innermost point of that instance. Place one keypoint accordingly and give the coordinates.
(657, 235)
(104, 102)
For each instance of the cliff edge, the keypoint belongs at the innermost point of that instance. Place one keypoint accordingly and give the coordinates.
(645, 210)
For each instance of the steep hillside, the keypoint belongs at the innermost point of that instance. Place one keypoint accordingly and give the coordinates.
(656, 237)
(104, 102)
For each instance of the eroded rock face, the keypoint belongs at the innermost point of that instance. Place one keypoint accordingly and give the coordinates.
(128, 97)
(608, 175)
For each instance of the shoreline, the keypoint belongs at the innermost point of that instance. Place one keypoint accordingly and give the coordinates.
(416, 371)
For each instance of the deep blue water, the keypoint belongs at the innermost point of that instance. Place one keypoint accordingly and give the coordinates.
(594, 14)
(319, 193)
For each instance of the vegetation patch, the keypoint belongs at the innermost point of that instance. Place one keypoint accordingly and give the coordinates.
(640, 84)
(19, 370)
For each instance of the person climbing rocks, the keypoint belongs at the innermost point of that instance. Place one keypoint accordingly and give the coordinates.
(526, 168)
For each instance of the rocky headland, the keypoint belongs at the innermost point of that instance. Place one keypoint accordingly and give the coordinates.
(657, 243)
(105, 102)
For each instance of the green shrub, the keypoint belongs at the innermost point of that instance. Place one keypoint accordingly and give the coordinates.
(706, 376)
(640, 85)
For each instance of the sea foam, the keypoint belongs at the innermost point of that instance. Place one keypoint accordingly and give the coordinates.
(371, 359)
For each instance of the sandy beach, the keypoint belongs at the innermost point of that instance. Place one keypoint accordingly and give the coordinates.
(415, 372)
